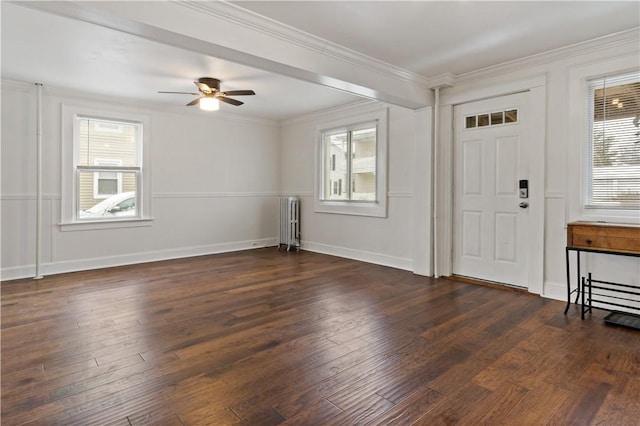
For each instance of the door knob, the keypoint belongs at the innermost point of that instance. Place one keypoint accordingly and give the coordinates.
(524, 205)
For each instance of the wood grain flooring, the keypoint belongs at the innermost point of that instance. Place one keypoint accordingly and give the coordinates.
(264, 337)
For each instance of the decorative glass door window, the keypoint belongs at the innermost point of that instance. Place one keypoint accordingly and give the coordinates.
(491, 119)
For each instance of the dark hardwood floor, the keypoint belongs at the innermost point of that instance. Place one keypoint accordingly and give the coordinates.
(265, 337)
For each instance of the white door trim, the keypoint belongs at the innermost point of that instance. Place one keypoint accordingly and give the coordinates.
(536, 86)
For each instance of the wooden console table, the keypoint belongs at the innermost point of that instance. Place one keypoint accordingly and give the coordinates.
(599, 237)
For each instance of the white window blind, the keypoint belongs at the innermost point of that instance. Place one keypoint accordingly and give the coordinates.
(613, 169)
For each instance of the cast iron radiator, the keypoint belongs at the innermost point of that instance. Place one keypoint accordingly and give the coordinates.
(289, 223)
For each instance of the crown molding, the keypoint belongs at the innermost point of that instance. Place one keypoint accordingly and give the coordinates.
(239, 16)
(443, 80)
(147, 106)
(21, 86)
(354, 107)
(599, 44)
(269, 27)
(357, 107)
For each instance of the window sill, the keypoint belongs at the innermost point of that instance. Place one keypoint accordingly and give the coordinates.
(611, 215)
(104, 224)
(354, 208)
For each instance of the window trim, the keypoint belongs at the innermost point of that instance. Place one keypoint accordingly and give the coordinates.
(588, 159)
(579, 80)
(376, 208)
(347, 188)
(69, 197)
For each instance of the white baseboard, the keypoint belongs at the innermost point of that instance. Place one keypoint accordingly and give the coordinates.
(364, 256)
(18, 272)
(554, 290)
(130, 259)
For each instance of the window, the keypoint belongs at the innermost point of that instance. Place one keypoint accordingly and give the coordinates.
(98, 179)
(103, 168)
(351, 157)
(106, 184)
(493, 119)
(612, 171)
(352, 166)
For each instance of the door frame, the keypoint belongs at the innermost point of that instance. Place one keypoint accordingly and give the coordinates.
(536, 86)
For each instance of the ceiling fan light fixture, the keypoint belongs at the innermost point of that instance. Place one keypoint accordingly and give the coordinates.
(210, 95)
(209, 103)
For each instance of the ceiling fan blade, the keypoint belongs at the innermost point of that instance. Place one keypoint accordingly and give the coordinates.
(183, 93)
(203, 87)
(195, 101)
(238, 93)
(229, 100)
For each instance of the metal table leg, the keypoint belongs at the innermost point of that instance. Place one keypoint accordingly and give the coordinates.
(577, 290)
(578, 275)
(566, 309)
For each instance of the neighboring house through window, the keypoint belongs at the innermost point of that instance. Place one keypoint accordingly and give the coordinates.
(104, 172)
(352, 165)
(107, 161)
(106, 184)
(351, 157)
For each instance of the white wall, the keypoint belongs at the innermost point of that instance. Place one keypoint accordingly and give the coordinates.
(396, 240)
(386, 241)
(214, 181)
(228, 185)
(559, 169)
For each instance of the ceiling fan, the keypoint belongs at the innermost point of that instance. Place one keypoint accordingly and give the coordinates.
(210, 95)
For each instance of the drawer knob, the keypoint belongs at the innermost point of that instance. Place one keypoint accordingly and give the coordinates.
(589, 241)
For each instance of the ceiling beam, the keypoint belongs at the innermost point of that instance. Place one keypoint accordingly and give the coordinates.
(194, 29)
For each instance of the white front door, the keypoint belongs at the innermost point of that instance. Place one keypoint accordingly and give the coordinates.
(491, 158)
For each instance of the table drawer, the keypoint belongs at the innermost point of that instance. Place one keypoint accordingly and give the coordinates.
(601, 236)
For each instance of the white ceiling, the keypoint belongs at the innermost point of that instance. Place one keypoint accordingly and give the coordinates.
(435, 37)
(428, 38)
(57, 51)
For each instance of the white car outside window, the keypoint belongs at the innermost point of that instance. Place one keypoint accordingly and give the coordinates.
(118, 205)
